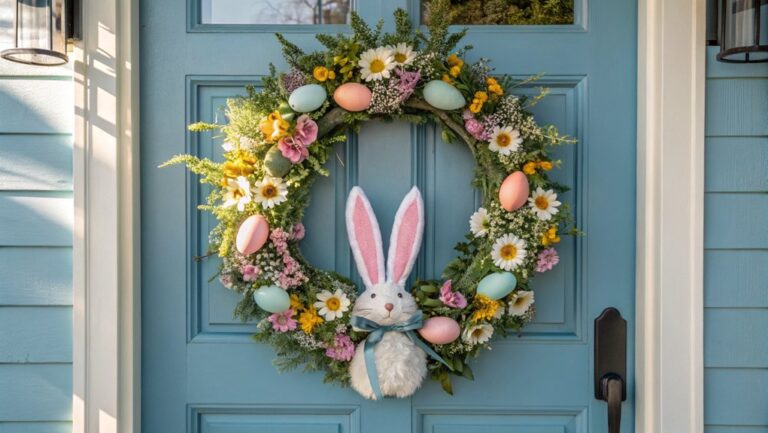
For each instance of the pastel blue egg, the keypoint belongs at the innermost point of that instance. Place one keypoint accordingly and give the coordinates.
(307, 98)
(497, 285)
(442, 95)
(272, 299)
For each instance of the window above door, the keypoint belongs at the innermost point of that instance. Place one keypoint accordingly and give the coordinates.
(269, 15)
(507, 12)
(328, 16)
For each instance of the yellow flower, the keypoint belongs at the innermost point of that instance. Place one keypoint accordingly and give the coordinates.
(331, 75)
(447, 79)
(455, 71)
(494, 86)
(478, 101)
(529, 168)
(274, 127)
(486, 308)
(454, 60)
(242, 166)
(320, 73)
(545, 165)
(550, 236)
(296, 303)
(309, 319)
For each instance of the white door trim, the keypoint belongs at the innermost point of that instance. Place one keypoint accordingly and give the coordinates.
(106, 351)
(670, 216)
(670, 175)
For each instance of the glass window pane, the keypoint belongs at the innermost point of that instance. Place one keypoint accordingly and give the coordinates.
(7, 11)
(275, 11)
(507, 12)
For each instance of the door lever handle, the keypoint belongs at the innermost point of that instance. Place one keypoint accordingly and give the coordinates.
(612, 386)
(611, 364)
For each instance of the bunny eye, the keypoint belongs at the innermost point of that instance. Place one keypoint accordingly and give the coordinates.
(373, 295)
(399, 295)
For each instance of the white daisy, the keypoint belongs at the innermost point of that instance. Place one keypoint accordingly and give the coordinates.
(376, 64)
(270, 191)
(238, 193)
(227, 146)
(505, 140)
(544, 203)
(479, 222)
(521, 302)
(332, 305)
(403, 53)
(477, 334)
(508, 252)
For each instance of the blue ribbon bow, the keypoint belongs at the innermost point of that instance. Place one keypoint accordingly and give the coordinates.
(377, 333)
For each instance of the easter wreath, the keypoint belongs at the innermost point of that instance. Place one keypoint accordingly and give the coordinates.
(277, 141)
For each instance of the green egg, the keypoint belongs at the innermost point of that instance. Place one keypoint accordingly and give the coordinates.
(276, 164)
(444, 96)
(497, 285)
(272, 299)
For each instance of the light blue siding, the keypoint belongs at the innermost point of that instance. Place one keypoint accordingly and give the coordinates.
(36, 215)
(736, 249)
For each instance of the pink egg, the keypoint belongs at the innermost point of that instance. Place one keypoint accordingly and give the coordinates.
(252, 234)
(514, 191)
(440, 330)
(352, 96)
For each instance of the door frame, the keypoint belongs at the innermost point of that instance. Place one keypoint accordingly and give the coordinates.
(670, 178)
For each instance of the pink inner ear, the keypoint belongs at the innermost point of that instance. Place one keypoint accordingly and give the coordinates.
(366, 240)
(406, 239)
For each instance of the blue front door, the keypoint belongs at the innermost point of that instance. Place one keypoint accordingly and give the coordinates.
(202, 373)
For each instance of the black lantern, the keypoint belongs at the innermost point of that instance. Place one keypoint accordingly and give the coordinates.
(743, 31)
(42, 28)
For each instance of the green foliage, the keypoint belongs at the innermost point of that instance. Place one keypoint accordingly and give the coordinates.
(505, 12)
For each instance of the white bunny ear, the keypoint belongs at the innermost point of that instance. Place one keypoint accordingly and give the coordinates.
(365, 238)
(405, 241)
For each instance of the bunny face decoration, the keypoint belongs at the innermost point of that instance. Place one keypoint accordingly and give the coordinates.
(396, 362)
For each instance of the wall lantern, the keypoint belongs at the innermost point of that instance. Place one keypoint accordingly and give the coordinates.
(42, 30)
(743, 31)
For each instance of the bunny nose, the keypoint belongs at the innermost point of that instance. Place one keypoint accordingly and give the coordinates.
(389, 307)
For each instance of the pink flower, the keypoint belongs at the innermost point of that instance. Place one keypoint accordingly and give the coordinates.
(407, 82)
(283, 322)
(306, 130)
(250, 272)
(466, 115)
(293, 149)
(475, 127)
(298, 232)
(226, 280)
(296, 148)
(279, 239)
(451, 298)
(343, 349)
(547, 260)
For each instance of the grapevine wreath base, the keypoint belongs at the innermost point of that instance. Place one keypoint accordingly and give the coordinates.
(382, 339)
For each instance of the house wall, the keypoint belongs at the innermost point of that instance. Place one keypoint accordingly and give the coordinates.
(736, 248)
(36, 217)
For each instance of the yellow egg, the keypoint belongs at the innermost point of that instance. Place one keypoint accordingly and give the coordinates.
(353, 96)
(514, 191)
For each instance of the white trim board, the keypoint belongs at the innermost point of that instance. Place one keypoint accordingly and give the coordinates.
(670, 216)
(106, 363)
(670, 124)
